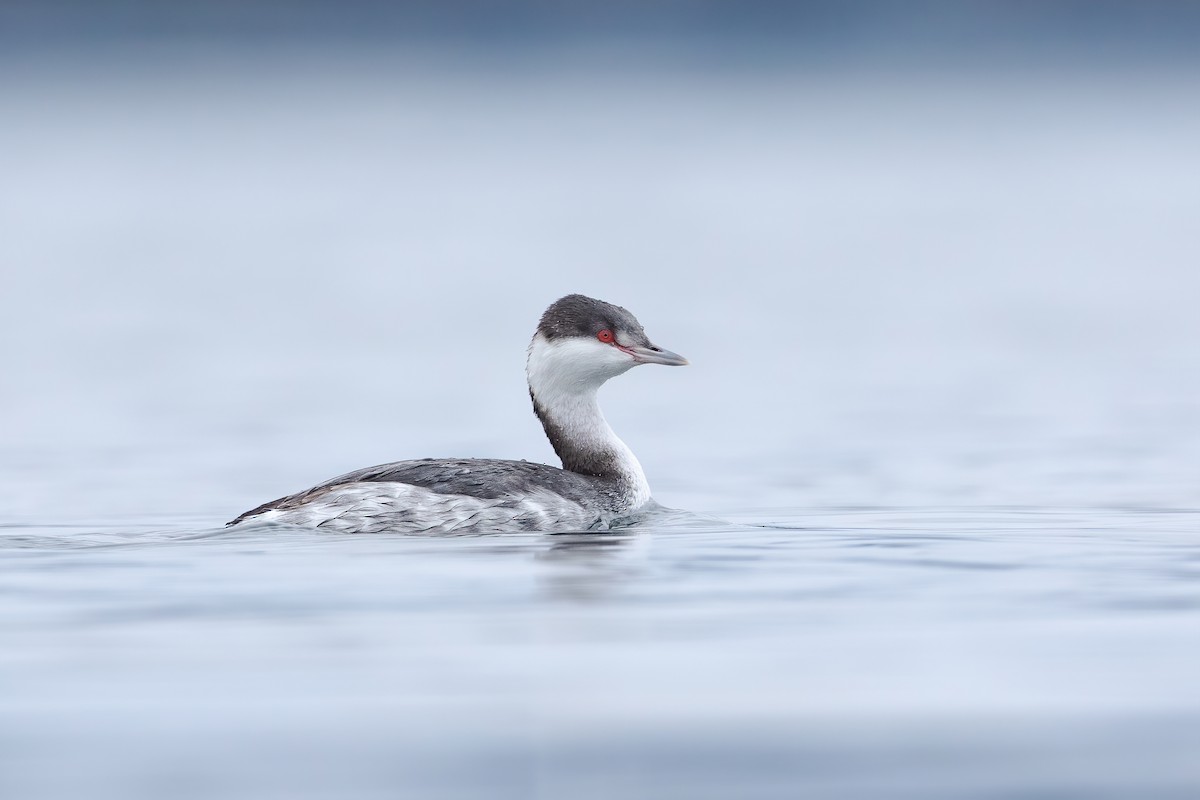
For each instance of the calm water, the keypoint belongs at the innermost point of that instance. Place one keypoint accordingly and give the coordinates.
(940, 441)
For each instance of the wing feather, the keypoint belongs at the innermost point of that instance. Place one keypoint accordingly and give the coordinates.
(483, 478)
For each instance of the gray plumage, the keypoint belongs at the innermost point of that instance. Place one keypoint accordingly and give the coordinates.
(483, 478)
(579, 315)
(579, 344)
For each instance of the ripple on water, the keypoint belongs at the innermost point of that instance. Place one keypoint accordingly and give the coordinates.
(937, 647)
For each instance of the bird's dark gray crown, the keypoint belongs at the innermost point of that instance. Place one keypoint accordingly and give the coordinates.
(578, 315)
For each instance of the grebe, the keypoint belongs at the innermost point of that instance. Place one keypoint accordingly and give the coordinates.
(579, 344)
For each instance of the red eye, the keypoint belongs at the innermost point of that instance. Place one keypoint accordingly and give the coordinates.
(605, 336)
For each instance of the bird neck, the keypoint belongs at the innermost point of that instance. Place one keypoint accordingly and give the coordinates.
(565, 400)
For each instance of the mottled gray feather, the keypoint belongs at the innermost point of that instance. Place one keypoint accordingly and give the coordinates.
(484, 478)
(579, 315)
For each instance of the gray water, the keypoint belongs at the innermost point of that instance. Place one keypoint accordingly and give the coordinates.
(938, 454)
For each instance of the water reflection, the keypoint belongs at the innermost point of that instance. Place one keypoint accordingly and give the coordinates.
(587, 567)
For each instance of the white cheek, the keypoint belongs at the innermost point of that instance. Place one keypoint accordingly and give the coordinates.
(616, 358)
(575, 362)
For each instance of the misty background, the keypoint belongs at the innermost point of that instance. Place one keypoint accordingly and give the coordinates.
(247, 244)
(934, 265)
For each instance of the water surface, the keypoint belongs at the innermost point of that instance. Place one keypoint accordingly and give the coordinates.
(920, 652)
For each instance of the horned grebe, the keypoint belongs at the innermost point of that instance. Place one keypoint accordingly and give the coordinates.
(579, 344)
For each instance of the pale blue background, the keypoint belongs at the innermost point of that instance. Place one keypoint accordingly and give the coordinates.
(936, 273)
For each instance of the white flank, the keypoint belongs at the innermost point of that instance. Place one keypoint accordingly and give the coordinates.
(379, 507)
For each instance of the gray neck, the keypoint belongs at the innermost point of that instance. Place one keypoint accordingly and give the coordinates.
(582, 437)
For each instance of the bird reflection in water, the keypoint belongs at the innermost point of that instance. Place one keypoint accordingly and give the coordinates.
(586, 567)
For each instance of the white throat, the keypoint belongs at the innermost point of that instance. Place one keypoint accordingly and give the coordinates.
(564, 378)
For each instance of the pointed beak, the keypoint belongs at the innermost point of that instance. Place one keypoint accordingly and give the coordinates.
(656, 355)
